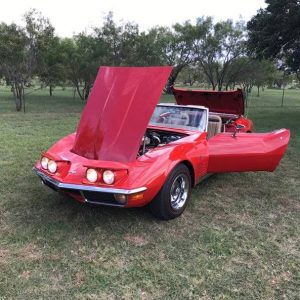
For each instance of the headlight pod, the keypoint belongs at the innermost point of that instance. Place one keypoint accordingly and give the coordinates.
(91, 175)
(52, 166)
(44, 162)
(108, 177)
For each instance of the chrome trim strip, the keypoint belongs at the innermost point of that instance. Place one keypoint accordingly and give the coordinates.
(89, 188)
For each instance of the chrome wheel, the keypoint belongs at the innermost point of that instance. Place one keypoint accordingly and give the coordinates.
(174, 195)
(179, 191)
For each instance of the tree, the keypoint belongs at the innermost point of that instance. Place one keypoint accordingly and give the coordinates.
(150, 48)
(179, 45)
(275, 33)
(21, 51)
(248, 72)
(221, 45)
(51, 70)
(120, 41)
(189, 75)
(81, 62)
(264, 72)
(13, 55)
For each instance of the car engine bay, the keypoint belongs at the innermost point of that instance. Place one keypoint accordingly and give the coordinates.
(154, 138)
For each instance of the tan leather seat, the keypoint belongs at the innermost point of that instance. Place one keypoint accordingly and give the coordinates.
(214, 125)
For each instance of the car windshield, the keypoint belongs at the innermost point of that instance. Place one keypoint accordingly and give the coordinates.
(184, 117)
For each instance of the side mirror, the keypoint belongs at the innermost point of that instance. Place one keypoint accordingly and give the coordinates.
(238, 127)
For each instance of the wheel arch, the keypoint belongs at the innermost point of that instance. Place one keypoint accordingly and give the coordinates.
(189, 165)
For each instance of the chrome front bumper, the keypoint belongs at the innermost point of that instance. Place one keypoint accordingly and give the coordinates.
(90, 194)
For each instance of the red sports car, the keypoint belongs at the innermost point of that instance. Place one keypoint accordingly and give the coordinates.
(129, 152)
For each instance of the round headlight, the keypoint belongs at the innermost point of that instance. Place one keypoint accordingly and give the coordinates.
(91, 175)
(52, 166)
(44, 162)
(108, 177)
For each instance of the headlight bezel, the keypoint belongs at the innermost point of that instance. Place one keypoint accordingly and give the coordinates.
(52, 166)
(44, 162)
(108, 177)
(92, 172)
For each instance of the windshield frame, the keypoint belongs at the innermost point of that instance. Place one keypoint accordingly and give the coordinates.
(189, 128)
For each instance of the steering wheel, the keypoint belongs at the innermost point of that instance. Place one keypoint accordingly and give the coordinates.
(162, 117)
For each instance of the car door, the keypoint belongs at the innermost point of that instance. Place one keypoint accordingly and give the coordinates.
(247, 151)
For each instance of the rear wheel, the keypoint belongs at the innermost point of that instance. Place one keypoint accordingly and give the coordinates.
(172, 199)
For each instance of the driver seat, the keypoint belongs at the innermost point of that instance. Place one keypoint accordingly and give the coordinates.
(214, 125)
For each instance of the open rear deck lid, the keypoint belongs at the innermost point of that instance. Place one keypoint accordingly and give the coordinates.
(229, 102)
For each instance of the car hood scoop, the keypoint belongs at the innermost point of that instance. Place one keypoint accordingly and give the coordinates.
(229, 102)
(118, 111)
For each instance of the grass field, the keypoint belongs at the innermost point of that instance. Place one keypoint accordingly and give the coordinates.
(238, 238)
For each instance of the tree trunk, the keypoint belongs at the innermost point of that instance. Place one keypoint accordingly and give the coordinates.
(172, 79)
(50, 90)
(87, 89)
(79, 92)
(282, 98)
(170, 83)
(13, 89)
(19, 98)
(86, 93)
(258, 86)
(18, 104)
(249, 88)
(23, 97)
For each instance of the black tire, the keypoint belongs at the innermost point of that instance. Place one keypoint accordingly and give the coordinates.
(163, 205)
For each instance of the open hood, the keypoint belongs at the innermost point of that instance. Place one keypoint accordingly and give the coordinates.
(118, 111)
(229, 102)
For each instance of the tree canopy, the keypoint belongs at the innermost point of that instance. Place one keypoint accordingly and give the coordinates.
(203, 51)
(275, 33)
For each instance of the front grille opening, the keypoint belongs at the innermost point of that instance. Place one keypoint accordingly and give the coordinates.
(101, 198)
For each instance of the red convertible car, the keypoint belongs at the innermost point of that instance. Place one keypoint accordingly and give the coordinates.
(129, 152)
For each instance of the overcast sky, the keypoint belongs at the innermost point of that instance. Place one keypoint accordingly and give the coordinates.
(70, 17)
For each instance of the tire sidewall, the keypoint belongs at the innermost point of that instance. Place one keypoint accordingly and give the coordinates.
(163, 199)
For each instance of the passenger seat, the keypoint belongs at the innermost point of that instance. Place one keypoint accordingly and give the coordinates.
(214, 125)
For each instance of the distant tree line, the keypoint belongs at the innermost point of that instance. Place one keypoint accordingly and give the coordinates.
(220, 55)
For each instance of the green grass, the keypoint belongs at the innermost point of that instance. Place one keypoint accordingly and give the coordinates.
(238, 238)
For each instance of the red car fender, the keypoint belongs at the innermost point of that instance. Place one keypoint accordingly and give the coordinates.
(194, 155)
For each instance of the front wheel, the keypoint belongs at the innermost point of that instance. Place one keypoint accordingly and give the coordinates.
(172, 199)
